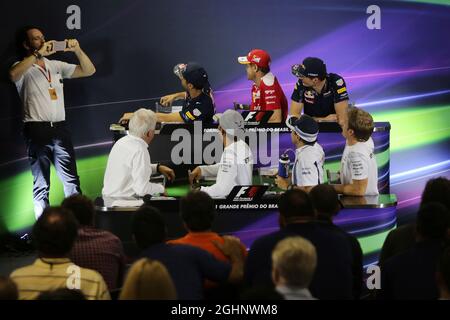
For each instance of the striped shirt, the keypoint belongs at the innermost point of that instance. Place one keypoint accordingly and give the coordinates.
(101, 251)
(47, 274)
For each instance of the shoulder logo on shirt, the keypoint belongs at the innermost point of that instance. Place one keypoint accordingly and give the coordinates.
(190, 116)
(196, 112)
(342, 90)
(340, 82)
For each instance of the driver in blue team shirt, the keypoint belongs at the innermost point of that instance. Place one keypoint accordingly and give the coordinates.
(199, 102)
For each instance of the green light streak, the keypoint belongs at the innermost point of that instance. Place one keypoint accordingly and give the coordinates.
(415, 127)
(437, 2)
(16, 192)
(178, 191)
(373, 243)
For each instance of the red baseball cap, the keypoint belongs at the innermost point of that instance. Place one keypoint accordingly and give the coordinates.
(257, 56)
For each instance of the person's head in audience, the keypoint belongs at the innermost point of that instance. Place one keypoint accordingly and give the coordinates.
(62, 294)
(294, 261)
(142, 124)
(197, 211)
(295, 206)
(55, 232)
(148, 280)
(443, 274)
(82, 208)
(8, 289)
(437, 190)
(325, 201)
(433, 222)
(148, 227)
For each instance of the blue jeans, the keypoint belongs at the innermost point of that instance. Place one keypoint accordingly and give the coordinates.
(49, 143)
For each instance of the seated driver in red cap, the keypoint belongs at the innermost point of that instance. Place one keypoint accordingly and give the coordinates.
(266, 91)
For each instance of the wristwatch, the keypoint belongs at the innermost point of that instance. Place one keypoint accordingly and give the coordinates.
(37, 55)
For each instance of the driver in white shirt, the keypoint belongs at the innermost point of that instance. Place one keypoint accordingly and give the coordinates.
(309, 156)
(129, 167)
(236, 165)
(359, 170)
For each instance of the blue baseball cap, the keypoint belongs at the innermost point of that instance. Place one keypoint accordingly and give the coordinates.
(311, 67)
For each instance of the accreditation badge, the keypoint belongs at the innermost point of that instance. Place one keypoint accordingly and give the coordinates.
(52, 92)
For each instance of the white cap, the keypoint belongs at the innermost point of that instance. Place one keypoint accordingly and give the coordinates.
(232, 122)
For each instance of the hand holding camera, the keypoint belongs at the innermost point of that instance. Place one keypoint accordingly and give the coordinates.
(46, 50)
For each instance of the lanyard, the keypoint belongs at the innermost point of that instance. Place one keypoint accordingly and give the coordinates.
(46, 74)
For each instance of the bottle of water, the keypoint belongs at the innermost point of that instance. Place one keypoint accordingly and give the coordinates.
(283, 165)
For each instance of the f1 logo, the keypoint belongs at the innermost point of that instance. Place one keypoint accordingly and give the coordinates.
(249, 116)
(242, 192)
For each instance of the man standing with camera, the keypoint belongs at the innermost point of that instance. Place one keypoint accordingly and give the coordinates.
(39, 82)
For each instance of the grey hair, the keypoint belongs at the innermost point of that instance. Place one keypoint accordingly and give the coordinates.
(142, 121)
(295, 258)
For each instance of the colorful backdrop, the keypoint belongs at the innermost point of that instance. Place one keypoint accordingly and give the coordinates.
(400, 73)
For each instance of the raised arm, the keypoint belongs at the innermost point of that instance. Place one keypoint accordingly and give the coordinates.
(341, 112)
(18, 70)
(86, 68)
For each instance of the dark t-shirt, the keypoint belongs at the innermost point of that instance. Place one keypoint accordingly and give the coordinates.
(321, 104)
(189, 267)
(411, 275)
(357, 255)
(333, 276)
(398, 241)
(200, 108)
